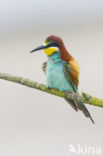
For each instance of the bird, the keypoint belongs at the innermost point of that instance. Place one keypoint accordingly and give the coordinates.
(62, 70)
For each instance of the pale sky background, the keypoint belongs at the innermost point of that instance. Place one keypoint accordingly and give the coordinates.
(32, 122)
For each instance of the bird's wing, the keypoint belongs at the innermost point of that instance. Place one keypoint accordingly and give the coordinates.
(74, 72)
(44, 67)
(67, 71)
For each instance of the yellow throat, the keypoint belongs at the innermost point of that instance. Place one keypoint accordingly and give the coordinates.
(49, 51)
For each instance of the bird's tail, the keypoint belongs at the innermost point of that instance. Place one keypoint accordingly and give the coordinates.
(81, 107)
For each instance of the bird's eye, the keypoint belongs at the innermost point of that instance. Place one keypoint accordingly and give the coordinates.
(52, 44)
(55, 44)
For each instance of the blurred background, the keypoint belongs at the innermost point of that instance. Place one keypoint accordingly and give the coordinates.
(33, 122)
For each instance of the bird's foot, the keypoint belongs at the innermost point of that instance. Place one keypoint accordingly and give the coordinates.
(49, 88)
(67, 92)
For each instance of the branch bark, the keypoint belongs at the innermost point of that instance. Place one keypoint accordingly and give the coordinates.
(85, 98)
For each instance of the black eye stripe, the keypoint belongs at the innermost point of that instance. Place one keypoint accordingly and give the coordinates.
(53, 44)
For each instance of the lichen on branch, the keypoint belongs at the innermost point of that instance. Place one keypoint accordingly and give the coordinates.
(85, 98)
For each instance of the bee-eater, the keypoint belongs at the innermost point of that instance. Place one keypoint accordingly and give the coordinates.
(62, 70)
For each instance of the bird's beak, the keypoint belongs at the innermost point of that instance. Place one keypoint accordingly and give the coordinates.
(54, 44)
(38, 48)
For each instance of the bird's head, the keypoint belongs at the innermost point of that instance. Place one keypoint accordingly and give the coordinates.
(50, 45)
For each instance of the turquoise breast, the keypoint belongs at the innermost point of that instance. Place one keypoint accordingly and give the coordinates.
(55, 77)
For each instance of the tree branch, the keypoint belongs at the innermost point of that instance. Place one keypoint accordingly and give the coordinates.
(85, 98)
